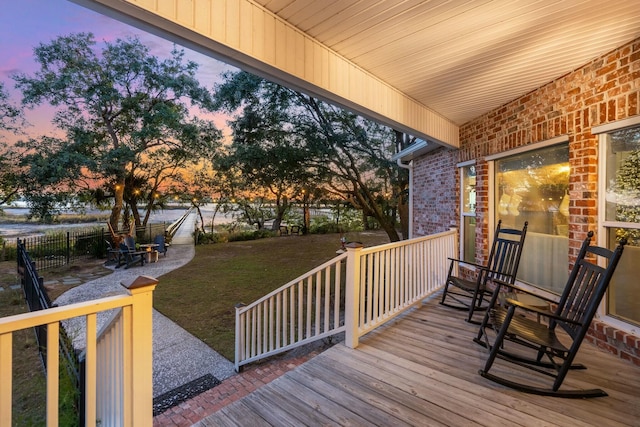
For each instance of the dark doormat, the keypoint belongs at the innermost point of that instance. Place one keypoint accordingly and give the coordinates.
(183, 393)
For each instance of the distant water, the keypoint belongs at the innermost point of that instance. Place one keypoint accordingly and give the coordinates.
(12, 231)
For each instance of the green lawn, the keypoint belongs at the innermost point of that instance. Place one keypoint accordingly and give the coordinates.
(201, 296)
(29, 385)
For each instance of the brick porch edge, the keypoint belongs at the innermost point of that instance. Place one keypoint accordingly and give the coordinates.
(230, 390)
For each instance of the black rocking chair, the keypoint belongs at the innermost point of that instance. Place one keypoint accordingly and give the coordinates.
(503, 262)
(585, 288)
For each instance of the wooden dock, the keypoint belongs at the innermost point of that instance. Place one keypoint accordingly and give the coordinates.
(421, 370)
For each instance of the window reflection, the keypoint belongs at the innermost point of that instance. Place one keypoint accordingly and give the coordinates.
(468, 184)
(533, 187)
(623, 220)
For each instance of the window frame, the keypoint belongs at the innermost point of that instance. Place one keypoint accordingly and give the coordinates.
(603, 224)
(464, 214)
(491, 211)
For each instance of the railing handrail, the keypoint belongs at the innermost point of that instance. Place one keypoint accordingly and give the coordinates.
(58, 314)
(171, 229)
(293, 282)
(413, 241)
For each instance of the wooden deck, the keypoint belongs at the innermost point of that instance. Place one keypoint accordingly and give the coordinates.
(421, 370)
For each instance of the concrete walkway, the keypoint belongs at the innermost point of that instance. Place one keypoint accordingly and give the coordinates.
(180, 360)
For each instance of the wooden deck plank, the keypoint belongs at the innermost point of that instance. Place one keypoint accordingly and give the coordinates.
(446, 390)
(267, 405)
(603, 369)
(351, 404)
(423, 390)
(235, 416)
(317, 402)
(385, 412)
(421, 369)
(577, 379)
(407, 407)
(292, 404)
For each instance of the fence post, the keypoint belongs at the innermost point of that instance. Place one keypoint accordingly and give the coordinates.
(68, 249)
(140, 393)
(352, 293)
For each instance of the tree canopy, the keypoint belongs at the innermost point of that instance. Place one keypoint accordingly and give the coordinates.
(282, 137)
(11, 119)
(127, 119)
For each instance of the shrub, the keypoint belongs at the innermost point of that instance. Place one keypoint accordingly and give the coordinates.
(250, 235)
(322, 225)
(207, 238)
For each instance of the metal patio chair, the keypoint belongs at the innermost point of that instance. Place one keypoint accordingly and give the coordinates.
(517, 335)
(470, 293)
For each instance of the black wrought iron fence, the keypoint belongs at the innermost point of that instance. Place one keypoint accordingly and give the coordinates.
(146, 233)
(63, 248)
(56, 250)
(37, 299)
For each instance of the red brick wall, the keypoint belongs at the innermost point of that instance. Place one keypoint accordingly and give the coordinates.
(435, 201)
(605, 90)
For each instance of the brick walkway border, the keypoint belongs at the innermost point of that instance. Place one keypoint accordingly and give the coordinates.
(230, 390)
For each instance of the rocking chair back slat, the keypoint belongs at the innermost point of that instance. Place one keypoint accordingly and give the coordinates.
(505, 260)
(579, 302)
(502, 264)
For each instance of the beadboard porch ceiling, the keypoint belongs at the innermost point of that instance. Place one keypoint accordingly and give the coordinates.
(422, 67)
(463, 58)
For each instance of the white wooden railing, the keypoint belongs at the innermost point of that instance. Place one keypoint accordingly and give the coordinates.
(354, 292)
(302, 311)
(118, 361)
(389, 279)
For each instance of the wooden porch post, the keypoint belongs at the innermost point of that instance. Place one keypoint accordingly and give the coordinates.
(351, 310)
(141, 345)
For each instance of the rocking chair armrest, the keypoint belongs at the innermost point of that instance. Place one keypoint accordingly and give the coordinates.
(515, 287)
(461, 261)
(541, 312)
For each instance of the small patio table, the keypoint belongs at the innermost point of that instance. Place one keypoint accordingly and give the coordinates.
(152, 252)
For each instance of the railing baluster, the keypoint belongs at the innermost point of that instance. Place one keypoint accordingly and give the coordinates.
(327, 298)
(300, 310)
(271, 325)
(6, 373)
(337, 297)
(377, 270)
(278, 324)
(308, 307)
(318, 302)
(53, 367)
(90, 371)
(292, 316)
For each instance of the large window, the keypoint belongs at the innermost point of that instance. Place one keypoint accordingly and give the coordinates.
(468, 211)
(622, 219)
(533, 187)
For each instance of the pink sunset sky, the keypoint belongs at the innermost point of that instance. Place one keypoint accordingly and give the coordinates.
(26, 23)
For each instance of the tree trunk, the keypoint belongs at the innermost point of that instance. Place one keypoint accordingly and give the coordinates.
(116, 211)
(136, 215)
(403, 213)
(201, 219)
(281, 208)
(389, 228)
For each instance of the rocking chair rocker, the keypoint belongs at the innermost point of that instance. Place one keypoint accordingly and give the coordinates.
(503, 262)
(585, 288)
